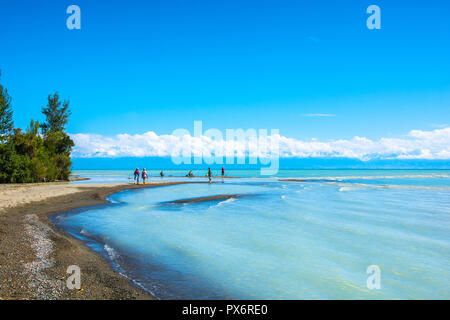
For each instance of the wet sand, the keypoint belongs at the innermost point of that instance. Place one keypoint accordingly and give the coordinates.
(34, 254)
(205, 199)
(77, 178)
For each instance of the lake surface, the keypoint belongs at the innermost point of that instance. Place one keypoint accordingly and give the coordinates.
(311, 239)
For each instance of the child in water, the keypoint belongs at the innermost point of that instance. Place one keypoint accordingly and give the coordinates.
(144, 175)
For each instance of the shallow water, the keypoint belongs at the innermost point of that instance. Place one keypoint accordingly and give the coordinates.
(285, 240)
(385, 176)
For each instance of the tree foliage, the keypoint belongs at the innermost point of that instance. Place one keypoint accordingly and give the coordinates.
(56, 115)
(34, 157)
(6, 114)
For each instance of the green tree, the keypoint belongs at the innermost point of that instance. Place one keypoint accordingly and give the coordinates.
(29, 156)
(41, 166)
(56, 141)
(57, 115)
(59, 146)
(6, 164)
(6, 113)
(15, 159)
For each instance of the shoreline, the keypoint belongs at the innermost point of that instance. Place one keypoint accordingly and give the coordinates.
(204, 199)
(35, 254)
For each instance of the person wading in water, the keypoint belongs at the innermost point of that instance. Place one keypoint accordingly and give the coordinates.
(144, 175)
(223, 174)
(136, 176)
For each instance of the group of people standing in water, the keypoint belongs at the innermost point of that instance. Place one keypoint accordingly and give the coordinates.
(210, 174)
(144, 175)
(136, 175)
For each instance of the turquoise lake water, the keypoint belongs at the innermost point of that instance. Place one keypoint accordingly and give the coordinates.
(283, 240)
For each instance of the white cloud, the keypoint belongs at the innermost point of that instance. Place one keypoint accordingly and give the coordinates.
(416, 144)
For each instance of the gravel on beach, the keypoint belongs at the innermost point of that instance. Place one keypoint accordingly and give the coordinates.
(35, 255)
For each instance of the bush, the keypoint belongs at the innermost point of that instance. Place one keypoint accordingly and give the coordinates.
(30, 156)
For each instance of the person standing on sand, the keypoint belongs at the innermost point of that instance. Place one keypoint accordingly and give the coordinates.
(223, 174)
(209, 174)
(144, 175)
(136, 176)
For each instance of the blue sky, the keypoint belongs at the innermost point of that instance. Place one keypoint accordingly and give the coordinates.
(138, 66)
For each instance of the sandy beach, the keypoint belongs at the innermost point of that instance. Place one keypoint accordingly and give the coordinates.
(35, 255)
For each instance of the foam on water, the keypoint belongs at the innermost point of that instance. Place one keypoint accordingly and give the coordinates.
(289, 240)
(226, 201)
